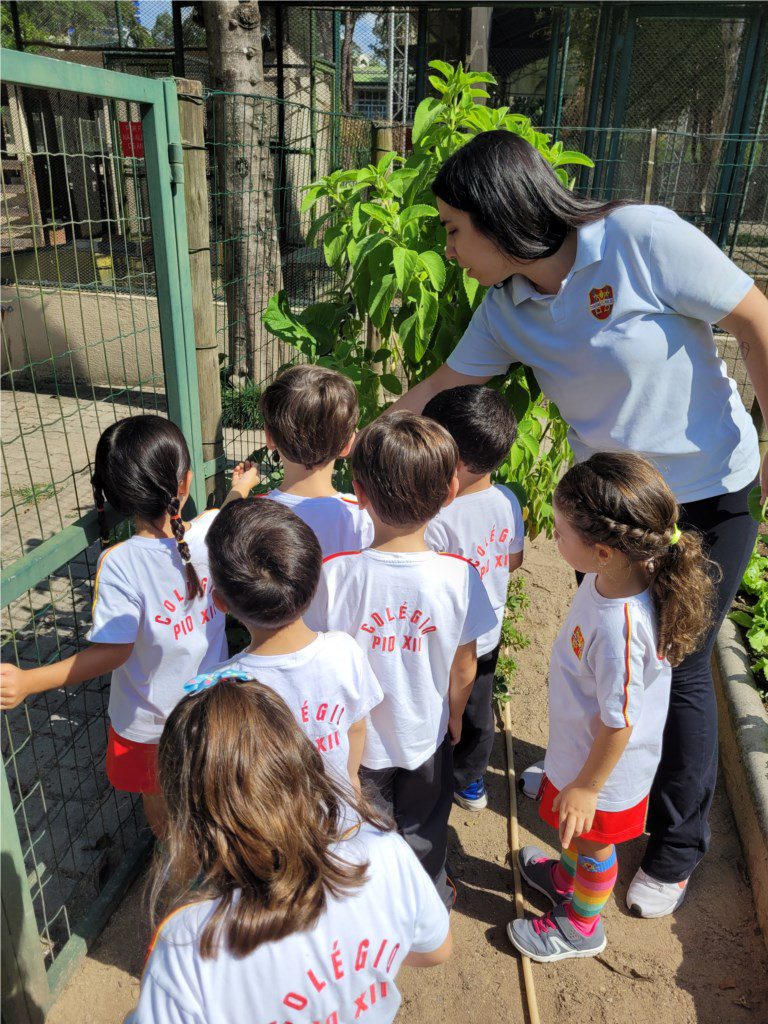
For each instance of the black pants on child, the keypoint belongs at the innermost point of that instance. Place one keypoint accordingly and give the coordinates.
(419, 799)
(472, 753)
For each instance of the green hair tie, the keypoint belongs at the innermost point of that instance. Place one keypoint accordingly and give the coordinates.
(676, 535)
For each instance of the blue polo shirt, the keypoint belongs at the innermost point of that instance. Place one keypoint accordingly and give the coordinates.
(625, 349)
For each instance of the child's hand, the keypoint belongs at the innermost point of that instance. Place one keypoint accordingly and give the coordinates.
(577, 806)
(244, 472)
(13, 686)
(454, 728)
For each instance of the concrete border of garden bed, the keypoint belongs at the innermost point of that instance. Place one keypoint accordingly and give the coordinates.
(743, 726)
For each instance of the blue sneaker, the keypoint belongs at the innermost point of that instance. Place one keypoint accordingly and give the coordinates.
(472, 798)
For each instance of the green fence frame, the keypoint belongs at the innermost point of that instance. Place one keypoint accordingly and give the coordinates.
(28, 990)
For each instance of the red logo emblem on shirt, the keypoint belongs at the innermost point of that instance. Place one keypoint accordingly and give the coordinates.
(601, 302)
(577, 642)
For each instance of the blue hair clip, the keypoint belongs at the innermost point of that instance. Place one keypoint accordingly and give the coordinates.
(208, 679)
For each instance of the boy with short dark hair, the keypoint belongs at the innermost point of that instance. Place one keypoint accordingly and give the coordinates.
(484, 524)
(310, 417)
(265, 564)
(416, 615)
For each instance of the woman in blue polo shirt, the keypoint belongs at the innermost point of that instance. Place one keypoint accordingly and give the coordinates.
(611, 306)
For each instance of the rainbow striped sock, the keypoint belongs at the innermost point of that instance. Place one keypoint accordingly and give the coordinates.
(564, 872)
(593, 885)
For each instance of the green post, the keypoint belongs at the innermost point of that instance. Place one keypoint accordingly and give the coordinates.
(622, 92)
(26, 995)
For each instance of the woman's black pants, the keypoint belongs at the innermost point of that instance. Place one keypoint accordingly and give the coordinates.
(682, 791)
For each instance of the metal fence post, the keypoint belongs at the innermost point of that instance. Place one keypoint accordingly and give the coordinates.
(26, 994)
(650, 166)
(192, 126)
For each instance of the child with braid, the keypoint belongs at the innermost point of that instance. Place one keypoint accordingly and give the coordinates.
(643, 604)
(154, 622)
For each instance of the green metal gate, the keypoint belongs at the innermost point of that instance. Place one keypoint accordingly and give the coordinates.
(97, 324)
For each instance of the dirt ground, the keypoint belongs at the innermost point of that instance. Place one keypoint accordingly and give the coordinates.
(707, 964)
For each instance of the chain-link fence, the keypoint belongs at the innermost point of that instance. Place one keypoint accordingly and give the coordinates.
(86, 288)
(80, 348)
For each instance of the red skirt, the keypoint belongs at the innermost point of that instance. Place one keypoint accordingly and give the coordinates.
(607, 826)
(131, 766)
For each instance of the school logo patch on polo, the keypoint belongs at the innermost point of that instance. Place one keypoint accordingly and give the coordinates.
(601, 302)
(577, 642)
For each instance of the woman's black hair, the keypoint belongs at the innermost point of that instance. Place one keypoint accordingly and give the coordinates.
(140, 463)
(514, 196)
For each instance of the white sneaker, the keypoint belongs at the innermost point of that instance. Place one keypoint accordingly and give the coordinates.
(530, 781)
(646, 897)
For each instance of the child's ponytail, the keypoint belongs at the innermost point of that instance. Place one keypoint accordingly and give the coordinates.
(177, 525)
(98, 498)
(620, 500)
(140, 463)
(682, 590)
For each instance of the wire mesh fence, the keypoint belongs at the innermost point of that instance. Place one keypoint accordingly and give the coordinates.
(81, 347)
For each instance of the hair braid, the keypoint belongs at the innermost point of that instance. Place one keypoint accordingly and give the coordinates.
(621, 501)
(177, 525)
(98, 498)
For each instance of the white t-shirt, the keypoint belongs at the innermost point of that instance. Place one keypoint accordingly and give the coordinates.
(341, 970)
(409, 613)
(328, 685)
(625, 349)
(604, 667)
(140, 598)
(338, 522)
(486, 527)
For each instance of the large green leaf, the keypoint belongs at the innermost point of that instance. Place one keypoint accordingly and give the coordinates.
(427, 312)
(435, 268)
(419, 211)
(380, 299)
(425, 114)
(334, 243)
(405, 262)
(280, 321)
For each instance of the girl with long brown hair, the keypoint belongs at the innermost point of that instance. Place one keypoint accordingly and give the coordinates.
(290, 899)
(643, 605)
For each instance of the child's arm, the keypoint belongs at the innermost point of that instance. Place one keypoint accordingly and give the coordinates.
(463, 672)
(515, 561)
(245, 476)
(356, 736)
(16, 683)
(437, 956)
(578, 800)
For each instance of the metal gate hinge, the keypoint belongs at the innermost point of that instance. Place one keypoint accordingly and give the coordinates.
(176, 160)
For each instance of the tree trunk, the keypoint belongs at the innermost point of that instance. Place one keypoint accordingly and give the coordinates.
(347, 63)
(240, 132)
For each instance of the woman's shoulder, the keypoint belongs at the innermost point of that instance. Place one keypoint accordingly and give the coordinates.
(637, 220)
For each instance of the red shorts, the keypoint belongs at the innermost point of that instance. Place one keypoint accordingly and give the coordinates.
(131, 766)
(607, 826)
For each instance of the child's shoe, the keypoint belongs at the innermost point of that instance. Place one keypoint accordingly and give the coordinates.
(531, 779)
(537, 869)
(647, 897)
(554, 937)
(472, 798)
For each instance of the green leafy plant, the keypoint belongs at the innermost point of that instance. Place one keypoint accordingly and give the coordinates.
(512, 639)
(239, 401)
(397, 308)
(751, 613)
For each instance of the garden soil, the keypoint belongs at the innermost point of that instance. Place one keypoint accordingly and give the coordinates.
(707, 964)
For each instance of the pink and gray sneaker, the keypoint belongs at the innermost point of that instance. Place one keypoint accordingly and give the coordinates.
(555, 937)
(538, 871)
